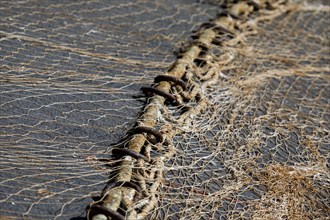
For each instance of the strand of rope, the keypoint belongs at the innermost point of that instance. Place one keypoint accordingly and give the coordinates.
(133, 194)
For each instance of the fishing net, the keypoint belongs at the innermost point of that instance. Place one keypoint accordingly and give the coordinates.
(232, 121)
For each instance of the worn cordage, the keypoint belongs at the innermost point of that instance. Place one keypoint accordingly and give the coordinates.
(98, 112)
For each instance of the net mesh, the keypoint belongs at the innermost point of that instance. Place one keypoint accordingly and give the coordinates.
(252, 142)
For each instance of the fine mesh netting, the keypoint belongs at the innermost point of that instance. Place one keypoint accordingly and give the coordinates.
(248, 139)
(69, 71)
(260, 150)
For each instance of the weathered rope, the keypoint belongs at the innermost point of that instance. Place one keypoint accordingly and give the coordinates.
(124, 199)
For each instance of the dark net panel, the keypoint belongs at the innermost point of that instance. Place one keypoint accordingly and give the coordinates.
(69, 71)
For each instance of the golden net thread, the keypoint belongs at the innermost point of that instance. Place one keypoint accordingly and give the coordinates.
(251, 135)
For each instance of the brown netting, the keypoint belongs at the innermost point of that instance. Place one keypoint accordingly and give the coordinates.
(248, 139)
